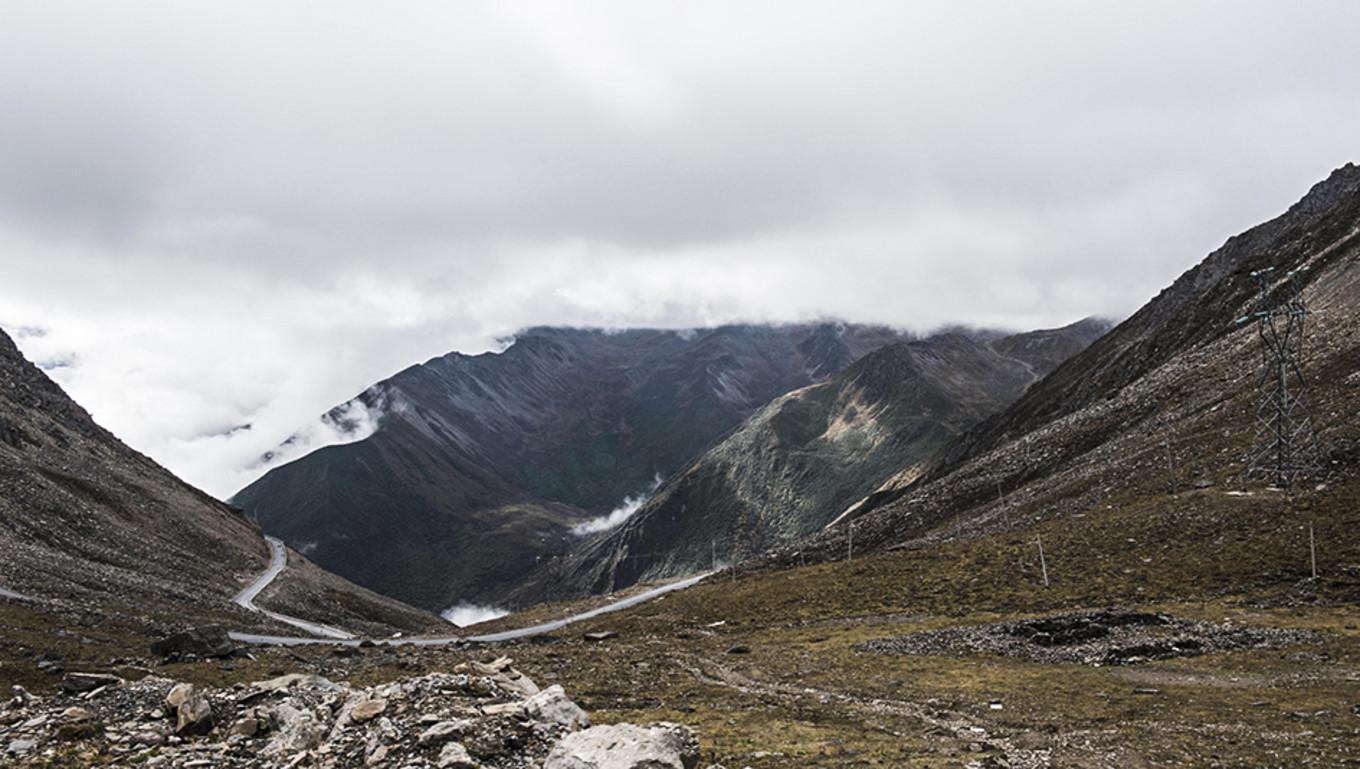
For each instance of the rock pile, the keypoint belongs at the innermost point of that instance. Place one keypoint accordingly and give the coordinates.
(478, 715)
(1100, 637)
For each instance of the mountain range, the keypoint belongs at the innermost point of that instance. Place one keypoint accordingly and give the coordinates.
(806, 457)
(479, 463)
(485, 472)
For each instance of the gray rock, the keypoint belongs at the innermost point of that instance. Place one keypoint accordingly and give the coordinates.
(206, 641)
(455, 756)
(84, 682)
(248, 726)
(19, 747)
(294, 730)
(194, 715)
(297, 680)
(178, 695)
(444, 730)
(150, 737)
(626, 746)
(552, 705)
(367, 710)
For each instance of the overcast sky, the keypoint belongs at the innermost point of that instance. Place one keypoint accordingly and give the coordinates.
(236, 213)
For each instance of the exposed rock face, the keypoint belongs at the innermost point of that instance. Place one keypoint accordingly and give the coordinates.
(802, 460)
(480, 463)
(461, 719)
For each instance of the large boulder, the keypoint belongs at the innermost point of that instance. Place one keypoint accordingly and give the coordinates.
(552, 705)
(626, 746)
(206, 641)
(193, 712)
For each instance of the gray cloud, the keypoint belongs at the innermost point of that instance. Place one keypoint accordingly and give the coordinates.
(69, 169)
(245, 213)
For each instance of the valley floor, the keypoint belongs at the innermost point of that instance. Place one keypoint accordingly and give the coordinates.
(768, 677)
(770, 669)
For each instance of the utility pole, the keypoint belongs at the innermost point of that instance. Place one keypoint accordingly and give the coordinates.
(1005, 509)
(1042, 563)
(1170, 467)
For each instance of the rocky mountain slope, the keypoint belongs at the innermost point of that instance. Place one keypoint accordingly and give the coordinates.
(87, 522)
(803, 459)
(479, 461)
(1157, 417)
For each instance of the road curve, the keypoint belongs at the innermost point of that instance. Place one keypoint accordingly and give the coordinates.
(278, 561)
(507, 635)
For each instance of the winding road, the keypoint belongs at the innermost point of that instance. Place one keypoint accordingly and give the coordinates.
(247, 597)
(507, 635)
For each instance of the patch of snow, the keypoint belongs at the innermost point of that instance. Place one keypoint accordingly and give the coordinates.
(464, 614)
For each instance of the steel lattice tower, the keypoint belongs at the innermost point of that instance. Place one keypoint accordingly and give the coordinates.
(1284, 448)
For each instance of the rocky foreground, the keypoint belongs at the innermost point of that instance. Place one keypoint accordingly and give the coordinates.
(477, 715)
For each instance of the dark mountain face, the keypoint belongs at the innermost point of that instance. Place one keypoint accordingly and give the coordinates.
(1164, 402)
(807, 456)
(83, 516)
(481, 463)
(86, 523)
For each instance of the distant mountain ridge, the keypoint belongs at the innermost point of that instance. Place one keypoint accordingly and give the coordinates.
(804, 458)
(478, 462)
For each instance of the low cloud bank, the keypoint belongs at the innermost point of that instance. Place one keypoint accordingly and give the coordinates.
(347, 423)
(618, 515)
(466, 614)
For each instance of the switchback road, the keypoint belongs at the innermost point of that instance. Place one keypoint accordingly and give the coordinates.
(247, 597)
(507, 635)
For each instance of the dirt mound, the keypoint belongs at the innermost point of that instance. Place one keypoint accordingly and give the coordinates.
(1101, 637)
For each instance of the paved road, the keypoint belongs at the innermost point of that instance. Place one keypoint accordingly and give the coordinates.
(507, 635)
(247, 596)
(11, 594)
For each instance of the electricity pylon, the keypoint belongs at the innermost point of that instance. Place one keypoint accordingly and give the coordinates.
(1284, 448)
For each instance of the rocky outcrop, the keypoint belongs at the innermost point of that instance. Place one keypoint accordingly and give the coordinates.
(476, 715)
